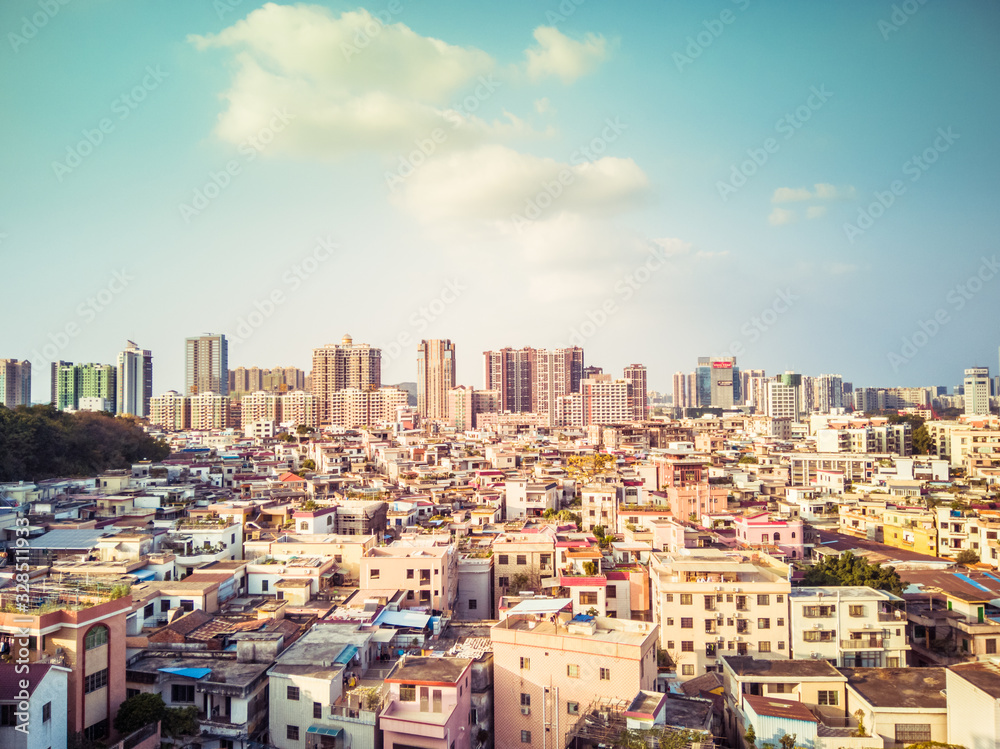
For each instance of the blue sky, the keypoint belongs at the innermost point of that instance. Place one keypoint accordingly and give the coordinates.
(809, 186)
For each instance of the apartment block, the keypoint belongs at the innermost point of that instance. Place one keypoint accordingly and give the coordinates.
(709, 603)
(206, 364)
(428, 703)
(429, 575)
(336, 367)
(135, 380)
(849, 626)
(354, 407)
(435, 377)
(550, 668)
(15, 383)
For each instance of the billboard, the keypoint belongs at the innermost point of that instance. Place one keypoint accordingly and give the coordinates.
(722, 365)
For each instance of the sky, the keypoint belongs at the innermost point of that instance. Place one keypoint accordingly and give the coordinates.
(806, 186)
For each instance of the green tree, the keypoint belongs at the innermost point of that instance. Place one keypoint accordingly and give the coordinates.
(138, 711)
(967, 556)
(860, 730)
(590, 568)
(787, 740)
(922, 442)
(518, 583)
(750, 737)
(309, 464)
(848, 569)
(180, 721)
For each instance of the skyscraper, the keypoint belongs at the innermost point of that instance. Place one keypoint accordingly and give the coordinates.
(681, 393)
(77, 381)
(15, 383)
(340, 366)
(717, 380)
(533, 379)
(54, 381)
(206, 364)
(135, 380)
(977, 391)
(557, 373)
(635, 378)
(435, 377)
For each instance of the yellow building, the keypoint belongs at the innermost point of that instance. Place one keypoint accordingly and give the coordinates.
(912, 529)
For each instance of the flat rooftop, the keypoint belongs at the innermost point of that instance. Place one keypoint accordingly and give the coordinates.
(745, 665)
(429, 669)
(604, 633)
(900, 687)
(845, 591)
(228, 671)
(983, 674)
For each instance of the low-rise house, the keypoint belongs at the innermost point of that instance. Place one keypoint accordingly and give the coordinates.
(900, 705)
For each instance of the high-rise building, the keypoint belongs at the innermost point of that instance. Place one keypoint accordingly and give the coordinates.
(54, 379)
(76, 381)
(15, 383)
(682, 395)
(753, 383)
(635, 378)
(255, 379)
(557, 373)
(717, 382)
(977, 391)
(465, 404)
(352, 407)
(206, 365)
(829, 393)
(336, 367)
(435, 377)
(511, 373)
(172, 411)
(135, 380)
(209, 411)
(604, 401)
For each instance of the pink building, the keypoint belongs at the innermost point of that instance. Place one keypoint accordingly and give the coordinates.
(428, 574)
(763, 529)
(428, 704)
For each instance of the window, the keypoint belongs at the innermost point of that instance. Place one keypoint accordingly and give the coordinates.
(856, 610)
(525, 737)
(99, 680)
(764, 647)
(129, 693)
(779, 599)
(372, 575)
(573, 671)
(503, 582)
(263, 586)
(409, 595)
(611, 592)
(409, 574)
(7, 715)
(317, 710)
(502, 559)
(292, 733)
(292, 693)
(741, 648)
(407, 692)
(522, 559)
(687, 622)
(687, 646)
(763, 599)
(96, 637)
(525, 700)
(687, 669)
(436, 700)
(573, 708)
(781, 622)
(710, 650)
(828, 697)
(670, 621)
(182, 693)
(148, 611)
(473, 604)
(46, 712)
(544, 560)
(781, 644)
(763, 624)
(605, 674)
(686, 599)
(669, 597)
(911, 733)
(96, 731)
(670, 644)
(588, 598)
(991, 645)
(525, 663)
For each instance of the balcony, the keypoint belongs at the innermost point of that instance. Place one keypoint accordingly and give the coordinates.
(864, 643)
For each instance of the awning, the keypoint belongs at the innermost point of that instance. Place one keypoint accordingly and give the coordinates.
(409, 619)
(324, 731)
(346, 654)
(384, 635)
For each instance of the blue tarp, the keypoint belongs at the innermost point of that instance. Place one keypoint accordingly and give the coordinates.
(145, 575)
(191, 673)
(346, 654)
(970, 581)
(402, 619)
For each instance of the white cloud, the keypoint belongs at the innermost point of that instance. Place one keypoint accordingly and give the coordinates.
(780, 217)
(815, 211)
(567, 59)
(494, 183)
(544, 106)
(352, 83)
(821, 191)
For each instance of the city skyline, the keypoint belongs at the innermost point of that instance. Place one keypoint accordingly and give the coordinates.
(764, 182)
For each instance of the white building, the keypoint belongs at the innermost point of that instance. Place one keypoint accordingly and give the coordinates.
(977, 391)
(43, 690)
(973, 691)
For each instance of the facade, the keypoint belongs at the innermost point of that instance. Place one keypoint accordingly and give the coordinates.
(717, 382)
(15, 383)
(428, 704)
(171, 411)
(557, 373)
(206, 365)
(635, 377)
(33, 697)
(550, 668)
(135, 380)
(465, 404)
(682, 394)
(604, 400)
(710, 603)
(435, 377)
(977, 391)
(76, 381)
(429, 575)
(336, 367)
(353, 407)
(209, 411)
(849, 626)
(974, 704)
(511, 373)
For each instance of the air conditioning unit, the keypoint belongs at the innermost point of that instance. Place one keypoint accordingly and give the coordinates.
(817, 626)
(737, 638)
(525, 710)
(720, 638)
(815, 655)
(869, 626)
(720, 616)
(718, 587)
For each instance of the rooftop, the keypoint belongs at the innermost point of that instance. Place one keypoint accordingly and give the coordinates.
(899, 687)
(745, 665)
(983, 674)
(421, 669)
(778, 708)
